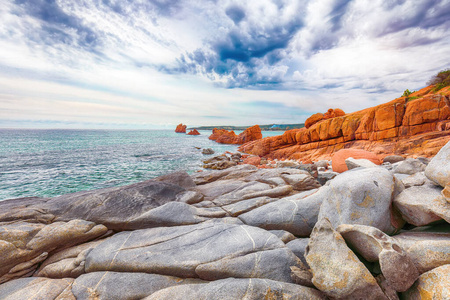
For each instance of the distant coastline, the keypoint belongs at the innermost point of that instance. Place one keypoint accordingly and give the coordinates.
(269, 127)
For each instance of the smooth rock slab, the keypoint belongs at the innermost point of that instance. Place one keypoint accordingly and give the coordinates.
(362, 196)
(178, 251)
(37, 288)
(271, 264)
(231, 289)
(301, 182)
(296, 214)
(374, 245)
(422, 205)
(336, 270)
(438, 170)
(434, 284)
(118, 286)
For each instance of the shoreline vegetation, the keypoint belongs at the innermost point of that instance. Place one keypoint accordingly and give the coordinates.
(269, 127)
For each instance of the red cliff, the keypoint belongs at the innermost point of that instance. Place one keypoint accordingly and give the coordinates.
(194, 132)
(229, 137)
(181, 128)
(417, 125)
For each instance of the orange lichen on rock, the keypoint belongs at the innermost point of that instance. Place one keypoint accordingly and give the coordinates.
(417, 127)
(181, 128)
(194, 132)
(229, 137)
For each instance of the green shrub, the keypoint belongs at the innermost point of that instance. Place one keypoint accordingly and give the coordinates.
(441, 80)
(407, 92)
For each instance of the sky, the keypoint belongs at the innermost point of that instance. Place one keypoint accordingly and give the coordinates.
(156, 63)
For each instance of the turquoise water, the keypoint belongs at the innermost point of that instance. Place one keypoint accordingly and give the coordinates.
(48, 163)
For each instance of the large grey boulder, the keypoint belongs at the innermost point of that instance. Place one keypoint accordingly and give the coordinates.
(417, 179)
(362, 196)
(122, 285)
(438, 170)
(422, 205)
(353, 163)
(231, 289)
(236, 172)
(244, 206)
(337, 271)
(186, 251)
(24, 245)
(296, 214)
(37, 288)
(375, 246)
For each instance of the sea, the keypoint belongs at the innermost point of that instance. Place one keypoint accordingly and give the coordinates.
(52, 162)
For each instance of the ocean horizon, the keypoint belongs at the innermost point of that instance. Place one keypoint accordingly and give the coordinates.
(52, 162)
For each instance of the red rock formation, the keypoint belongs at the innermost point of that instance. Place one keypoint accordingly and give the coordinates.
(253, 160)
(194, 132)
(229, 137)
(339, 157)
(181, 128)
(411, 128)
(331, 113)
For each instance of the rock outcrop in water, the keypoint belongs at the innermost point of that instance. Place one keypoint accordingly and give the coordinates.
(229, 137)
(412, 126)
(180, 128)
(377, 232)
(194, 132)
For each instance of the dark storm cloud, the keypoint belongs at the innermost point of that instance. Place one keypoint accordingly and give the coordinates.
(235, 13)
(55, 20)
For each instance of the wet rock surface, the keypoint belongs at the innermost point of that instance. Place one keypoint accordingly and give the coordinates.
(242, 232)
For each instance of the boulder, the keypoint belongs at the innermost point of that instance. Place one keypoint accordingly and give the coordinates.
(428, 249)
(396, 265)
(207, 151)
(422, 205)
(438, 170)
(229, 137)
(393, 159)
(410, 166)
(231, 288)
(434, 284)
(37, 288)
(296, 214)
(301, 182)
(238, 208)
(180, 128)
(417, 179)
(252, 160)
(337, 271)
(339, 157)
(194, 132)
(182, 251)
(362, 196)
(123, 285)
(353, 163)
(313, 119)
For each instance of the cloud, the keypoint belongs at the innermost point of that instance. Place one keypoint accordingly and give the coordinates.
(162, 61)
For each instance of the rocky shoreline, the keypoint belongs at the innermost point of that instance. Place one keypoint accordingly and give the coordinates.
(293, 231)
